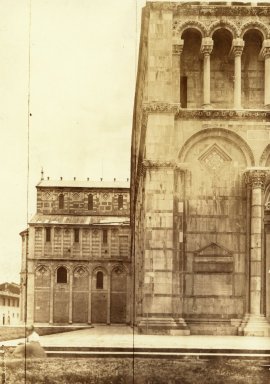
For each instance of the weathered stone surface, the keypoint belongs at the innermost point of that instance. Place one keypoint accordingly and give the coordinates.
(206, 158)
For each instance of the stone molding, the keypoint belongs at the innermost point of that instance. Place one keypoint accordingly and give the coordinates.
(203, 114)
(228, 135)
(265, 155)
(223, 24)
(156, 164)
(254, 24)
(209, 10)
(73, 265)
(178, 28)
(237, 28)
(256, 177)
(161, 107)
(222, 114)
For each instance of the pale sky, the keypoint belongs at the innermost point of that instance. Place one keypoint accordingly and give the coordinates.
(83, 57)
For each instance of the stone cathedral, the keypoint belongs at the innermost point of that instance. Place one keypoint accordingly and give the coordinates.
(201, 169)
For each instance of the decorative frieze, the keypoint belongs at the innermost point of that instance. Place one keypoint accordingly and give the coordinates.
(180, 9)
(202, 114)
(207, 26)
(162, 164)
(222, 114)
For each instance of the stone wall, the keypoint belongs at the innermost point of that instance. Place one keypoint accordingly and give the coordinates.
(105, 202)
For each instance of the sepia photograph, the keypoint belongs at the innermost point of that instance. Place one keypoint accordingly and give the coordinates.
(135, 182)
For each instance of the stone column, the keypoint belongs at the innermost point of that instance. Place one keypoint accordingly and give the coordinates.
(237, 49)
(109, 298)
(256, 324)
(51, 294)
(70, 294)
(265, 53)
(90, 297)
(177, 51)
(206, 49)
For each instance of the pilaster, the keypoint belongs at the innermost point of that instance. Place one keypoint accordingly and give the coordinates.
(161, 288)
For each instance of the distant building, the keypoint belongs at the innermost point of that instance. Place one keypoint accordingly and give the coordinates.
(76, 254)
(200, 186)
(9, 304)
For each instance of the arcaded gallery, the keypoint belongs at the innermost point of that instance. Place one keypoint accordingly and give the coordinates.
(201, 169)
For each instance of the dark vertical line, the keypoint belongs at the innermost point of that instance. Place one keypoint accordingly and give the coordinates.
(132, 206)
(27, 191)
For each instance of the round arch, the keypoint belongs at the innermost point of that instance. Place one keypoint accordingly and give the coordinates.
(80, 266)
(99, 268)
(42, 267)
(229, 26)
(120, 267)
(217, 132)
(61, 265)
(265, 156)
(257, 25)
(200, 27)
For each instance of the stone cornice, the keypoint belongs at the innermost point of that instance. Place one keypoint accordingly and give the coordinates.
(179, 8)
(222, 114)
(203, 114)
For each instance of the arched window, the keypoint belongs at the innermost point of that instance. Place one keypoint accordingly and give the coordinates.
(99, 284)
(61, 201)
(76, 235)
(90, 202)
(105, 236)
(61, 275)
(120, 201)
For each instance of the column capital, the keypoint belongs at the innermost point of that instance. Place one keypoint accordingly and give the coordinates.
(207, 45)
(177, 47)
(265, 51)
(237, 46)
(256, 177)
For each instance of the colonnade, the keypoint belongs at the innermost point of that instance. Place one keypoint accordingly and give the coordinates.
(236, 51)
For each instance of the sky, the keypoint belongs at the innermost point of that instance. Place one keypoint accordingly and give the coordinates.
(72, 65)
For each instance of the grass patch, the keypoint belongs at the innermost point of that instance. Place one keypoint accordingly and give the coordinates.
(139, 371)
